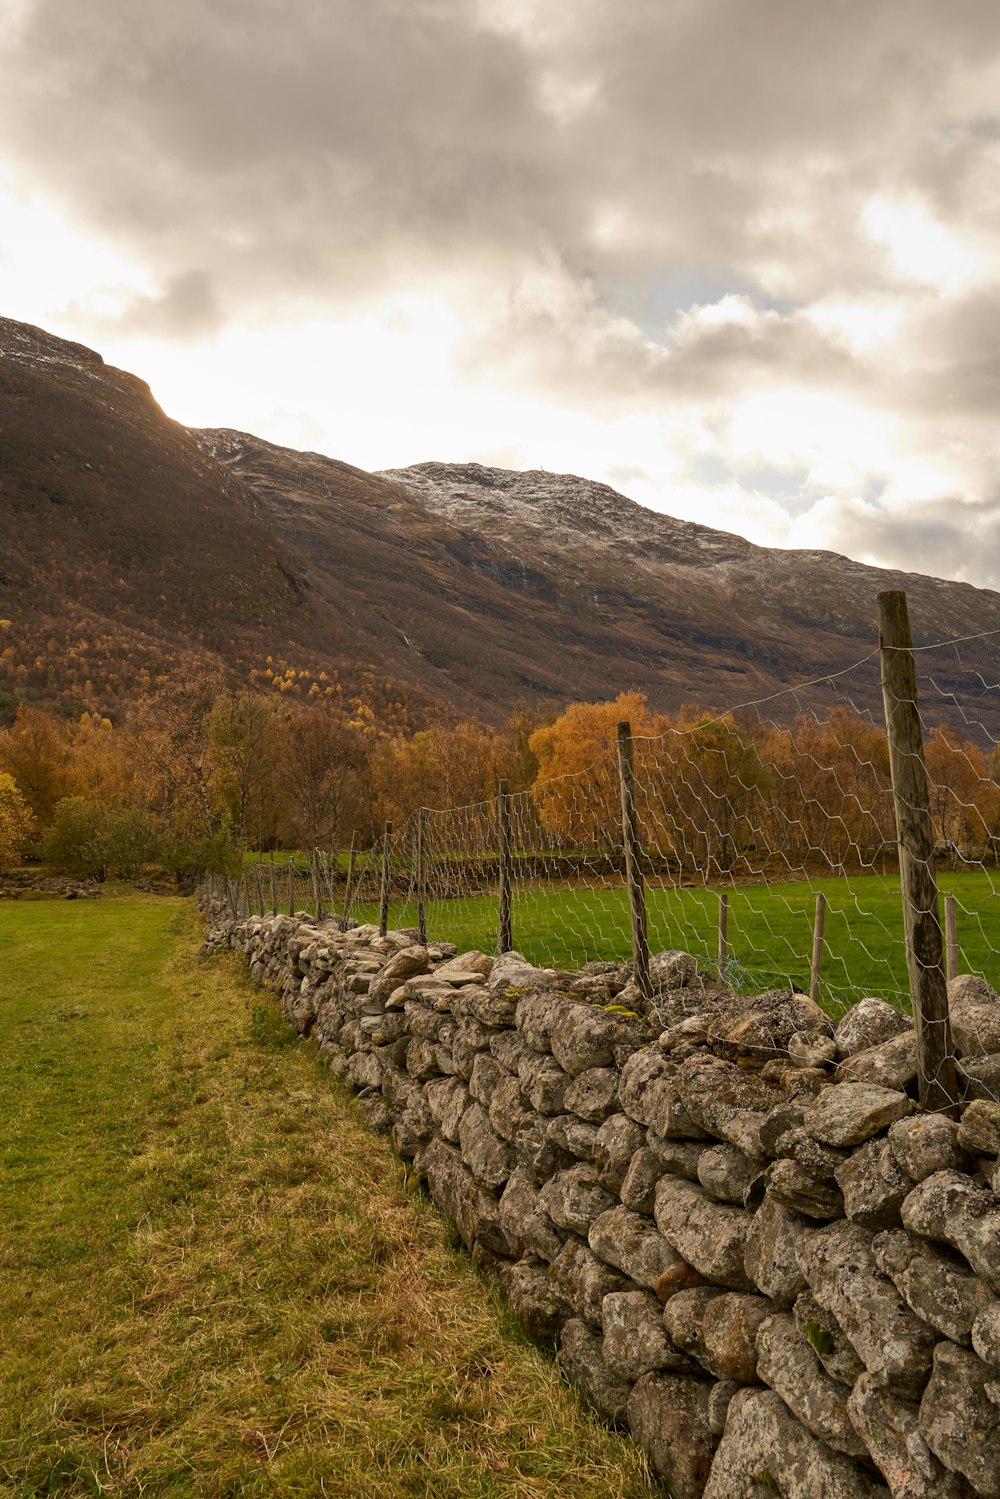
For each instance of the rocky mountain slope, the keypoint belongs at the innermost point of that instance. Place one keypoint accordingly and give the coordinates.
(134, 546)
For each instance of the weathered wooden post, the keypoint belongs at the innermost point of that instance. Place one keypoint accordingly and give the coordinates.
(291, 887)
(383, 898)
(504, 941)
(348, 888)
(274, 887)
(231, 897)
(951, 937)
(259, 883)
(314, 875)
(817, 949)
(422, 875)
(722, 957)
(633, 865)
(915, 834)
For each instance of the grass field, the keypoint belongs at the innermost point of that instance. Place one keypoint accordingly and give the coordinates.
(769, 930)
(216, 1282)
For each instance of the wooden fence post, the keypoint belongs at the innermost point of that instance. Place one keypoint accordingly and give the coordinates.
(817, 949)
(274, 887)
(383, 899)
(915, 834)
(633, 866)
(314, 875)
(231, 897)
(259, 883)
(722, 957)
(422, 875)
(291, 887)
(348, 888)
(504, 940)
(950, 937)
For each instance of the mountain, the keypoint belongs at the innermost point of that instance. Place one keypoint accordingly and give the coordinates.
(135, 547)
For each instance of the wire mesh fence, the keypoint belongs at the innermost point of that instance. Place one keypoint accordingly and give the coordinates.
(764, 840)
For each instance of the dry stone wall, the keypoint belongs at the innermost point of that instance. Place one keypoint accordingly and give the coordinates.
(749, 1246)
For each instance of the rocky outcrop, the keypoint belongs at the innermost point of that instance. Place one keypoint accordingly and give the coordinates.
(748, 1245)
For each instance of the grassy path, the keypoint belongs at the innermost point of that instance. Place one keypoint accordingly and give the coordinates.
(215, 1281)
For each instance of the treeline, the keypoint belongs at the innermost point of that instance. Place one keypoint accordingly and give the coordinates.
(197, 773)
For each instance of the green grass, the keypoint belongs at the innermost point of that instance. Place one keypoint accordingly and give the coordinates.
(216, 1282)
(769, 929)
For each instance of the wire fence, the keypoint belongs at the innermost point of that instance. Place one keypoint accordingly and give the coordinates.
(764, 841)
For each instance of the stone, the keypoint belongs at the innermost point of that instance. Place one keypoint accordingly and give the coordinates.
(783, 1119)
(536, 1017)
(509, 1049)
(958, 1420)
(668, 1417)
(974, 1009)
(635, 1340)
(787, 1362)
(406, 963)
(545, 1083)
(850, 1113)
(486, 1073)
(693, 1029)
(979, 1077)
(926, 1143)
(796, 1188)
(926, 1209)
(525, 1221)
(581, 1359)
(763, 1443)
(583, 1280)
(941, 1292)
(470, 1039)
(827, 1339)
(979, 1130)
(490, 1159)
(671, 970)
(722, 1393)
(811, 1048)
(770, 1252)
(680, 1277)
(511, 970)
(458, 970)
(459, 1196)
(574, 1135)
(729, 1335)
(714, 1091)
(821, 1161)
(574, 1198)
(889, 1429)
(839, 1264)
(759, 1026)
(510, 1113)
(641, 1080)
(972, 1227)
(594, 1094)
(867, 1024)
(893, 1064)
(585, 1037)
(709, 1235)
(684, 1316)
(615, 1143)
(678, 1157)
(986, 1335)
(447, 1099)
(726, 1173)
(874, 1185)
(534, 1301)
(638, 1189)
(630, 1243)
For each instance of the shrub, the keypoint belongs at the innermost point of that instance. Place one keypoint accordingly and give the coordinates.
(89, 841)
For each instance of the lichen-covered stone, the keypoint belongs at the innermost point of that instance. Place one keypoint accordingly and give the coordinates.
(888, 1427)
(979, 1130)
(811, 1049)
(594, 1094)
(850, 1113)
(729, 1335)
(574, 1135)
(770, 1252)
(490, 1159)
(615, 1143)
(759, 1026)
(973, 1228)
(486, 1073)
(839, 1265)
(635, 1340)
(722, 1392)
(827, 1339)
(684, 1317)
(763, 1443)
(869, 1023)
(974, 1010)
(713, 1091)
(925, 1144)
(787, 1362)
(509, 1111)
(796, 1188)
(510, 1049)
(726, 1172)
(584, 1037)
(525, 1221)
(711, 1236)
(640, 1083)
(638, 1188)
(986, 1335)
(874, 1185)
(678, 1157)
(583, 1280)
(668, 1416)
(925, 1210)
(536, 1017)
(958, 1420)
(545, 1084)
(630, 1243)
(474, 1212)
(574, 1198)
(893, 1064)
(470, 1039)
(447, 1099)
(407, 962)
(534, 1301)
(945, 1294)
(581, 1359)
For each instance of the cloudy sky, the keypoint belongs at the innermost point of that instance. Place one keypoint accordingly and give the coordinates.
(737, 258)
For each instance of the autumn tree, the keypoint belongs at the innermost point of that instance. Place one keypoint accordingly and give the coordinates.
(35, 750)
(324, 775)
(243, 737)
(16, 822)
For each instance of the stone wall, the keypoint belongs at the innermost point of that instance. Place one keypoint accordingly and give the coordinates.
(750, 1247)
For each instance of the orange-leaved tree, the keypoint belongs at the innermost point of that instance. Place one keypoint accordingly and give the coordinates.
(16, 822)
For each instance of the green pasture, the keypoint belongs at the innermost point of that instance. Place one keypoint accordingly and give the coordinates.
(216, 1282)
(769, 929)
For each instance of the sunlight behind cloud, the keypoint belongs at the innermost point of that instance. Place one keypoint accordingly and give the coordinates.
(918, 245)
